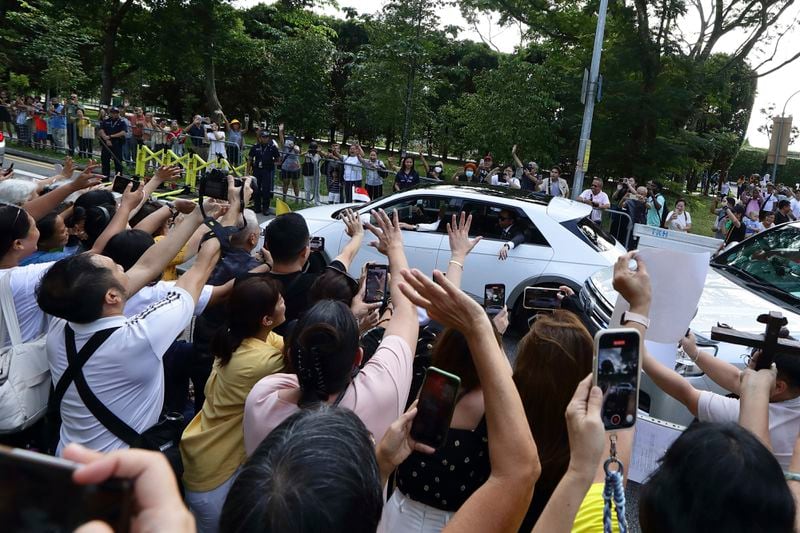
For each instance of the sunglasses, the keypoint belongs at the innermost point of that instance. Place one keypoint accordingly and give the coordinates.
(504, 218)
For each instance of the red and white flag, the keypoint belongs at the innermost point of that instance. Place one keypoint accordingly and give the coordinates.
(360, 194)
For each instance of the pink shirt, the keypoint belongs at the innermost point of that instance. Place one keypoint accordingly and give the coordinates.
(378, 394)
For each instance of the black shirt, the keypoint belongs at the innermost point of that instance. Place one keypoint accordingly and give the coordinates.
(264, 156)
(736, 234)
(196, 134)
(406, 181)
(114, 125)
(780, 218)
(236, 262)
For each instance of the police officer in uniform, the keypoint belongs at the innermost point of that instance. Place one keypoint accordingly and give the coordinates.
(261, 164)
(112, 137)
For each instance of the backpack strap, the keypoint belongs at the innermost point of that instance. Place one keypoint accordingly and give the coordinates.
(9, 314)
(76, 361)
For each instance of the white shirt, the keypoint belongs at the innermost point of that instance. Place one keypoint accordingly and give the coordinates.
(680, 223)
(512, 183)
(725, 188)
(125, 373)
(217, 141)
(32, 320)
(600, 198)
(794, 203)
(150, 294)
(784, 421)
(769, 202)
(352, 168)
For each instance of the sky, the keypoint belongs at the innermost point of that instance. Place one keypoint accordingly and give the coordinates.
(774, 88)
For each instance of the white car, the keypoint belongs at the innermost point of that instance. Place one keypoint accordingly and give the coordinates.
(563, 247)
(756, 276)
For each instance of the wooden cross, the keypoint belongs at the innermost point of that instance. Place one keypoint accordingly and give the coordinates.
(768, 342)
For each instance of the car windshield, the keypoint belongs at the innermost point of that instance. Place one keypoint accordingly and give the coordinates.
(769, 261)
(597, 236)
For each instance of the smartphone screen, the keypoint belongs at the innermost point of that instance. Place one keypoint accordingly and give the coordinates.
(541, 298)
(121, 182)
(616, 372)
(377, 283)
(317, 244)
(39, 495)
(494, 297)
(437, 400)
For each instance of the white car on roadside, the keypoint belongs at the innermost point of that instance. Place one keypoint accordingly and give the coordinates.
(562, 247)
(754, 277)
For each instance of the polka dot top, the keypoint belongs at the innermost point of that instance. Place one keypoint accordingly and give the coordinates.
(446, 478)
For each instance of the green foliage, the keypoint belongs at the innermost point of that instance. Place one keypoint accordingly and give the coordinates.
(507, 108)
(751, 160)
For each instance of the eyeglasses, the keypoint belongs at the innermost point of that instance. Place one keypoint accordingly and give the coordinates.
(503, 218)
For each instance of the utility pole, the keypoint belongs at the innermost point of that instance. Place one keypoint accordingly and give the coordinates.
(590, 97)
(410, 85)
(780, 140)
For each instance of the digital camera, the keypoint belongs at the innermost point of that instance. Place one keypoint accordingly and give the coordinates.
(215, 184)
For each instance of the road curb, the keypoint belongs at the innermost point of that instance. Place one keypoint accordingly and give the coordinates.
(33, 157)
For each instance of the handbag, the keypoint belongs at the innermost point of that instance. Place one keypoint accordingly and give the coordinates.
(24, 370)
(164, 436)
(308, 168)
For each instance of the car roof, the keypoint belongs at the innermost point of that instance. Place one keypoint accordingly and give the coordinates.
(483, 190)
(557, 208)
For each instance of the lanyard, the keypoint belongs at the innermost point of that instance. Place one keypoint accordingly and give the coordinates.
(614, 490)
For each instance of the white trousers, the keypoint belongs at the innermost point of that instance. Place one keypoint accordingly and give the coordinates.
(401, 514)
(207, 506)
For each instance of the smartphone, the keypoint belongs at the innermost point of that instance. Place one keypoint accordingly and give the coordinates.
(10, 168)
(377, 280)
(616, 371)
(437, 401)
(541, 298)
(317, 244)
(39, 495)
(494, 297)
(121, 182)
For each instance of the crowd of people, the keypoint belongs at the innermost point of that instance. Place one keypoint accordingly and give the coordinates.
(259, 391)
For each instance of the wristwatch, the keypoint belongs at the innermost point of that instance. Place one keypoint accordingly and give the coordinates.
(627, 316)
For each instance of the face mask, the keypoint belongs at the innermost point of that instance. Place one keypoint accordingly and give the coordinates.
(437, 169)
(469, 173)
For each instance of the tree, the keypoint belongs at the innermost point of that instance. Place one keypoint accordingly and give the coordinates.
(767, 116)
(302, 81)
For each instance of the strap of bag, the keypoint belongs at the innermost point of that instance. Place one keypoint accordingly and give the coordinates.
(9, 313)
(103, 414)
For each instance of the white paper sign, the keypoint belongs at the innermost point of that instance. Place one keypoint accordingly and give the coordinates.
(652, 439)
(677, 280)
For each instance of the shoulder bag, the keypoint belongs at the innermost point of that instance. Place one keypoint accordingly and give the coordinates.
(24, 370)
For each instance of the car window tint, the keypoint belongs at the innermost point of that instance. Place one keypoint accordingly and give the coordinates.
(485, 222)
(424, 210)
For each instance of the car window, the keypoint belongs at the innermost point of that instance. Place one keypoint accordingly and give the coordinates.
(425, 211)
(771, 258)
(486, 222)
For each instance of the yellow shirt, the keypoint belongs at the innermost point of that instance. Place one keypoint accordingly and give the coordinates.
(212, 446)
(171, 271)
(590, 514)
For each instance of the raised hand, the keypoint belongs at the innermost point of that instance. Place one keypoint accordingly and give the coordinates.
(184, 206)
(397, 444)
(87, 178)
(387, 231)
(167, 173)
(585, 428)
(633, 285)
(458, 233)
(352, 222)
(443, 301)
(130, 198)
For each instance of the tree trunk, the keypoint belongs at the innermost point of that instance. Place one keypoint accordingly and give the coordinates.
(110, 28)
(212, 101)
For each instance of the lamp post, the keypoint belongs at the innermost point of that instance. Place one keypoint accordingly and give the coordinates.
(591, 94)
(780, 140)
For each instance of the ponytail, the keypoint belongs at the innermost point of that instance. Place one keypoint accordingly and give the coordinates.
(251, 300)
(322, 351)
